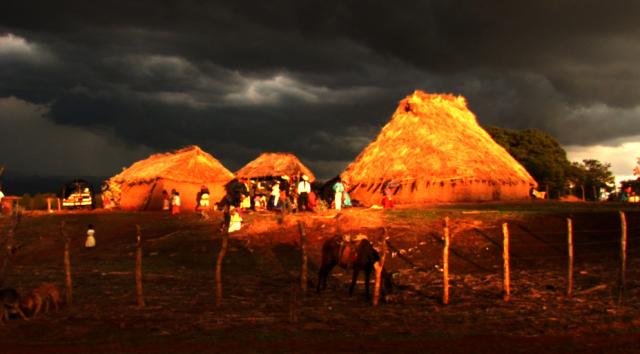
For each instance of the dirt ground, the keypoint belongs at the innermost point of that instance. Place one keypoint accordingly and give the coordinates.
(264, 310)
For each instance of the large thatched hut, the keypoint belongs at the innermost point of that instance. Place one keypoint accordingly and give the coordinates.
(433, 150)
(140, 186)
(274, 164)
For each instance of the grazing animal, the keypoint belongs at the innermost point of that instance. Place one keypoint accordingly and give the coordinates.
(46, 294)
(357, 253)
(31, 304)
(10, 304)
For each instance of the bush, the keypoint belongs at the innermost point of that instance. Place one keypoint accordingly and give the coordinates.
(36, 202)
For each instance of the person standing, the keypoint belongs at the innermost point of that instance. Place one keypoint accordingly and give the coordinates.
(1, 205)
(313, 201)
(346, 199)
(202, 198)
(253, 192)
(304, 187)
(284, 194)
(243, 190)
(275, 194)
(235, 219)
(90, 243)
(175, 202)
(166, 201)
(338, 189)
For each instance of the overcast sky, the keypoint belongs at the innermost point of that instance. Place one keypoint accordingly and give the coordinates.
(89, 87)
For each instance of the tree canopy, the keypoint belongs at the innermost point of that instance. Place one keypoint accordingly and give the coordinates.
(541, 154)
(547, 162)
(590, 177)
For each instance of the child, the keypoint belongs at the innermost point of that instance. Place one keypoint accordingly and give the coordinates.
(175, 203)
(166, 201)
(90, 243)
(235, 220)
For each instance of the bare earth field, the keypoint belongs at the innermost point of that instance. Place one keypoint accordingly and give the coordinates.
(265, 311)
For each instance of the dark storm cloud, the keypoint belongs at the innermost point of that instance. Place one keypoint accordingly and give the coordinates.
(317, 78)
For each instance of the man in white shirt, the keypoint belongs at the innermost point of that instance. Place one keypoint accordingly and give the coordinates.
(304, 187)
(275, 194)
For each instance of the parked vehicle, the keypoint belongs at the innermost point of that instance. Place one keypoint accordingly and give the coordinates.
(77, 194)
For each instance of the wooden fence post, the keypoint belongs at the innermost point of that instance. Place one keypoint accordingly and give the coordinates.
(139, 292)
(67, 265)
(223, 251)
(505, 256)
(379, 266)
(303, 249)
(623, 255)
(7, 260)
(445, 263)
(570, 250)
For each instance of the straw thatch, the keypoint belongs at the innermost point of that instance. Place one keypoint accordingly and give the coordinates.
(273, 164)
(434, 150)
(186, 170)
(190, 164)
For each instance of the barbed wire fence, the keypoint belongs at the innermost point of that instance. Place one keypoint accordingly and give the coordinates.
(589, 248)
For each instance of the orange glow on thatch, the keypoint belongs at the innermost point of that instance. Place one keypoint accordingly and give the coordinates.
(186, 169)
(272, 164)
(190, 164)
(434, 140)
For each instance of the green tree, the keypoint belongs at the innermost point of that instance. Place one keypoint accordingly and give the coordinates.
(590, 177)
(539, 153)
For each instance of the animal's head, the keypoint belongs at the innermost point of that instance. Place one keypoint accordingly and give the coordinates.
(28, 303)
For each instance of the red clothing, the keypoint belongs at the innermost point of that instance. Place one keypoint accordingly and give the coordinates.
(312, 202)
(387, 202)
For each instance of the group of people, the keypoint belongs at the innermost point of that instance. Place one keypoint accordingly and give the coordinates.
(629, 195)
(284, 193)
(172, 201)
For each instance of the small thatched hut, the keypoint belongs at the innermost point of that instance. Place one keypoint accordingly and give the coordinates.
(433, 150)
(140, 186)
(274, 164)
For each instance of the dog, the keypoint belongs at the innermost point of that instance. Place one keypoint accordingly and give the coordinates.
(10, 304)
(46, 294)
(31, 304)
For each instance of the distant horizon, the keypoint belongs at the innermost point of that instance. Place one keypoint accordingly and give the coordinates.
(35, 184)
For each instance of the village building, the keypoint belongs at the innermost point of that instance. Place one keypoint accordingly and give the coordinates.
(274, 165)
(140, 186)
(433, 150)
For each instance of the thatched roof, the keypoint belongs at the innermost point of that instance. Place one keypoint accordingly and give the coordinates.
(272, 164)
(190, 164)
(433, 137)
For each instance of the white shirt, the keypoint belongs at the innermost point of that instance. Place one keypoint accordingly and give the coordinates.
(304, 186)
